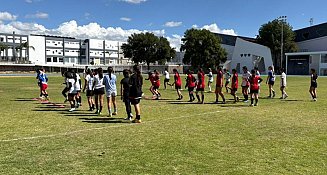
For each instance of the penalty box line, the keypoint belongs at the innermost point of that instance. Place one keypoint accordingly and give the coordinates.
(106, 127)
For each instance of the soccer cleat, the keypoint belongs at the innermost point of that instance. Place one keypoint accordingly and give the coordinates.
(136, 121)
(114, 113)
(256, 104)
(96, 112)
(246, 101)
(110, 115)
(128, 118)
(72, 109)
(251, 105)
(285, 96)
(315, 99)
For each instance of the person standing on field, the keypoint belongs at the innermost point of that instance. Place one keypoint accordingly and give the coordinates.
(124, 92)
(313, 85)
(167, 78)
(200, 85)
(109, 82)
(220, 85)
(135, 92)
(89, 79)
(98, 90)
(178, 84)
(271, 81)
(254, 80)
(227, 79)
(283, 84)
(245, 84)
(234, 85)
(210, 80)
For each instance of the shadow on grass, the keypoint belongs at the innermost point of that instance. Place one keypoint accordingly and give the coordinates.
(104, 120)
(49, 110)
(23, 99)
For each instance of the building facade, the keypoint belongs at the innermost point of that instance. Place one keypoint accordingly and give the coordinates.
(14, 48)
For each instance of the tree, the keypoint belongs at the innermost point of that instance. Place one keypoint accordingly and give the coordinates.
(3, 47)
(148, 48)
(202, 48)
(25, 46)
(270, 36)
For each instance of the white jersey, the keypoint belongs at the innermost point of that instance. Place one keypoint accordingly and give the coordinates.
(98, 82)
(90, 82)
(283, 79)
(77, 84)
(245, 78)
(166, 75)
(71, 82)
(227, 76)
(210, 75)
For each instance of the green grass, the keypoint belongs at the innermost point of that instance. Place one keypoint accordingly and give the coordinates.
(277, 137)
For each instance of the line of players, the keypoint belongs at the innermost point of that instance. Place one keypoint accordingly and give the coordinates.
(250, 84)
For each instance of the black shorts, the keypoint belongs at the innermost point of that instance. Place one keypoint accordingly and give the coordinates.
(254, 91)
(190, 89)
(155, 87)
(166, 80)
(314, 85)
(72, 95)
(226, 83)
(271, 83)
(99, 91)
(135, 101)
(234, 89)
(178, 87)
(89, 93)
(199, 89)
(245, 86)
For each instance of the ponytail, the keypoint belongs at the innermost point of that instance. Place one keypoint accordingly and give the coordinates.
(100, 72)
(110, 70)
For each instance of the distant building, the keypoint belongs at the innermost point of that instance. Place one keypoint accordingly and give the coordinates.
(312, 43)
(14, 52)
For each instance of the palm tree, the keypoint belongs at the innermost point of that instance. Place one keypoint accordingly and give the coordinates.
(3, 47)
(22, 46)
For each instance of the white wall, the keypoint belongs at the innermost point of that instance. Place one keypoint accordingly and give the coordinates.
(314, 45)
(246, 47)
(230, 50)
(37, 56)
(96, 44)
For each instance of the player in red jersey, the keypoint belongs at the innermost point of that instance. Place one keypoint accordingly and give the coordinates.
(178, 84)
(254, 80)
(190, 84)
(151, 78)
(156, 84)
(220, 85)
(234, 85)
(200, 85)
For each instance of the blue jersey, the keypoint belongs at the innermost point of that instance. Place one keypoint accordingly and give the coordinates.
(43, 78)
(110, 83)
(271, 75)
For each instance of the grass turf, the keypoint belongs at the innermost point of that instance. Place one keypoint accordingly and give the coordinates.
(176, 137)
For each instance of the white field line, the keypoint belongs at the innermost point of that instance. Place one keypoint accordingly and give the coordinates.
(105, 127)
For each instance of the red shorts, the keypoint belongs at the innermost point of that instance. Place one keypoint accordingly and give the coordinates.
(44, 87)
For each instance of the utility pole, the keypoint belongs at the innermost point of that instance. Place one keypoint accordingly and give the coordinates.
(282, 19)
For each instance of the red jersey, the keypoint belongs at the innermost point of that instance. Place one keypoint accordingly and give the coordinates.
(190, 81)
(254, 82)
(152, 80)
(235, 81)
(178, 81)
(201, 82)
(220, 79)
(157, 80)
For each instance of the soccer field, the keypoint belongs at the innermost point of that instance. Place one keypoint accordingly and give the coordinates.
(176, 137)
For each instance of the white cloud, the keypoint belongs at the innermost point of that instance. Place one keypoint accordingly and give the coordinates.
(6, 16)
(214, 28)
(125, 19)
(173, 24)
(39, 15)
(134, 1)
(175, 41)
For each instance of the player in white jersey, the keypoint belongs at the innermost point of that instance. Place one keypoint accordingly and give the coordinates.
(210, 80)
(167, 78)
(283, 84)
(228, 76)
(98, 90)
(78, 87)
(245, 83)
(110, 81)
(89, 80)
(70, 84)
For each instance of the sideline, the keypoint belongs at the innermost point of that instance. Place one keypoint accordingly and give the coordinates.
(100, 128)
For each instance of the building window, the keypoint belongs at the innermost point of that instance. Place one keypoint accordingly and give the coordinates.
(61, 60)
(324, 58)
(48, 59)
(55, 59)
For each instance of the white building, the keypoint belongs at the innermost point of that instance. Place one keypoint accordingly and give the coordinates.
(243, 51)
(15, 52)
(312, 43)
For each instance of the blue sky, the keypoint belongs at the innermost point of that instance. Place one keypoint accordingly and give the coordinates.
(117, 19)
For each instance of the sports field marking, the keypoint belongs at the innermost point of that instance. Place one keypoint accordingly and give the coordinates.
(106, 127)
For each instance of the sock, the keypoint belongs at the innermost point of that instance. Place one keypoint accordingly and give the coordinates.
(92, 106)
(210, 88)
(252, 101)
(256, 101)
(193, 98)
(246, 97)
(72, 106)
(138, 117)
(198, 97)
(115, 110)
(80, 99)
(100, 108)
(109, 110)
(202, 98)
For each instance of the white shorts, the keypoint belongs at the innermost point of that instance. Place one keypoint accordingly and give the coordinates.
(111, 93)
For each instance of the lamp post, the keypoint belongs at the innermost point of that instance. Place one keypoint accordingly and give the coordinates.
(282, 19)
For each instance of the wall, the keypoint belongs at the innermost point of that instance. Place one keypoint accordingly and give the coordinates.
(246, 47)
(37, 55)
(314, 45)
